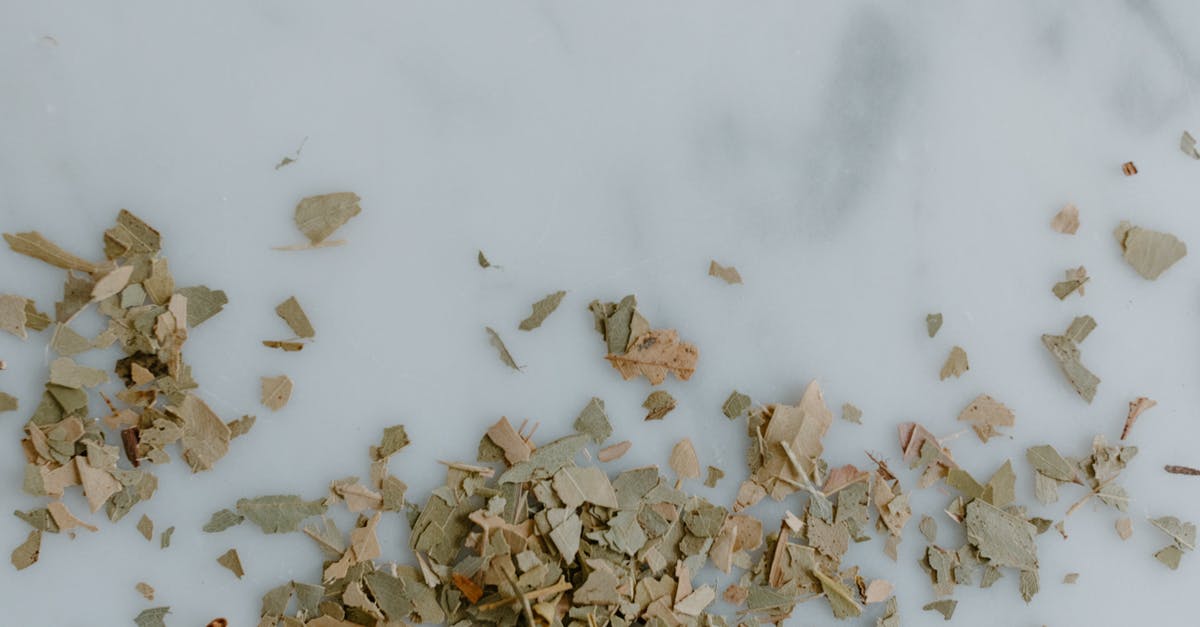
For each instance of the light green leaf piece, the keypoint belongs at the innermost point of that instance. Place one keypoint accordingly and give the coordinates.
(33, 244)
(1183, 533)
(962, 481)
(1002, 538)
(145, 526)
(66, 342)
(945, 607)
(1003, 486)
(26, 553)
(1149, 252)
(1065, 351)
(840, 598)
(593, 421)
(202, 303)
(279, 513)
(933, 323)
(394, 439)
(577, 485)
(65, 372)
(319, 216)
(165, 538)
(275, 601)
(546, 460)
(294, 316)
(714, 475)
(483, 261)
(152, 617)
(1048, 462)
(8, 402)
(1169, 555)
(131, 236)
(658, 404)
(850, 413)
(222, 520)
(34, 319)
(498, 343)
(735, 405)
(541, 310)
(619, 325)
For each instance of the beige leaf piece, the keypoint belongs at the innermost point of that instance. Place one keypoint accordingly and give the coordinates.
(878, 591)
(1187, 144)
(684, 461)
(516, 448)
(956, 364)
(541, 310)
(1066, 221)
(1136, 408)
(64, 519)
(658, 404)
(205, 435)
(12, 314)
(728, 274)
(294, 316)
(33, 244)
(145, 526)
(654, 354)
(498, 344)
(8, 402)
(98, 485)
(229, 559)
(112, 283)
(1124, 528)
(145, 590)
(65, 372)
(986, 414)
(276, 391)
(1149, 252)
(26, 554)
(319, 216)
(609, 453)
(1076, 279)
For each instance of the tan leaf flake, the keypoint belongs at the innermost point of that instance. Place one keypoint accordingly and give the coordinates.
(541, 310)
(294, 316)
(498, 344)
(878, 591)
(12, 315)
(229, 559)
(610, 453)
(1149, 252)
(728, 274)
(319, 216)
(985, 414)
(1124, 528)
(1136, 408)
(516, 448)
(684, 461)
(33, 244)
(26, 554)
(1066, 221)
(145, 590)
(205, 436)
(98, 485)
(112, 283)
(276, 391)
(64, 519)
(956, 364)
(654, 354)
(658, 404)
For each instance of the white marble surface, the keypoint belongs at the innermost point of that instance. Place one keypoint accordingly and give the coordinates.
(860, 163)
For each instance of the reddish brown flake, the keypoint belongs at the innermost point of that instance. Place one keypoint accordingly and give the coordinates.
(1182, 470)
(1128, 168)
(468, 587)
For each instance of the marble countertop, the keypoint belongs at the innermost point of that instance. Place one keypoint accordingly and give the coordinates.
(861, 164)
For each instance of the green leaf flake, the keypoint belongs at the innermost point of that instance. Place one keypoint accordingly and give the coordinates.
(1002, 538)
(202, 303)
(279, 513)
(319, 216)
(229, 559)
(165, 538)
(658, 404)
(66, 342)
(546, 460)
(945, 607)
(145, 526)
(394, 439)
(8, 402)
(933, 323)
(222, 520)
(152, 617)
(1183, 533)
(498, 343)
(1048, 462)
(131, 236)
(294, 316)
(1170, 556)
(850, 413)
(33, 244)
(541, 310)
(593, 421)
(65, 372)
(735, 405)
(483, 261)
(840, 598)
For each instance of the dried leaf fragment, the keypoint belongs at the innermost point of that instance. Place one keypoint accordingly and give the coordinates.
(498, 343)
(878, 591)
(985, 414)
(112, 283)
(1187, 144)
(1128, 168)
(294, 316)
(1070, 578)
(33, 244)
(1066, 221)
(1076, 279)
(26, 554)
(12, 314)
(593, 421)
(1136, 407)
(202, 303)
(222, 520)
(956, 364)
(850, 413)
(7, 402)
(684, 461)
(145, 526)
(655, 354)
(933, 323)
(319, 216)
(276, 391)
(229, 559)
(152, 617)
(145, 590)
(658, 404)
(394, 439)
(482, 260)
(615, 451)
(164, 539)
(541, 310)
(728, 274)
(714, 475)
(1182, 470)
(1065, 350)
(1149, 252)
(945, 607)
(279, 513)
(1124, 528)
(736, 405)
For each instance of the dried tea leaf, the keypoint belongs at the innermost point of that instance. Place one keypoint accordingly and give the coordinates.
(1070, 578)
(205, 436)
(12, 315)
(112, 283)
(26, 554)
(840, 598)
(1046, 460)
(1128, 168)
(164, 540)
(956, 364)
(284, 345)
(1002, 538)
(610, 453)
(727, 274)
(276, 391)
(714, 475)
(1187, 144)
(65, 372)
(1149, 252)
(7, 402)
(1170, 556)
(1064, 348)
(1076, 279)
(279, 513)
(1171, 468)
(945, 607)
(153, 617)
(933, 323)
(202, 303)
(131, 236)
(736, 405)
(145, 526)
(229, 559)
(483, 261)
(66, 342)
(33, 244)
(1124, 528)
(294, 316)
(928, 528)
(658, 404)
(1183, 533)
(145, 590)
(498, 343)
(394, 439)
(319, 216)
(222, 520)
(1066, 221)
(1136, 407)
(541, 310)
(683, 460)
(985, 414)
(654, 354)
(593, 421)
(850, 413)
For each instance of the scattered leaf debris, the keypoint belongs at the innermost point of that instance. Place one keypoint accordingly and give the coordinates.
(1149, 252)
(292, 158)
(1066, 221)
(956, 364)
(541, 310)
(1065, 350)
(26, 553)
(483, 261)
(165, 537)
(1124, 528)
(658, 404)
(1136, 407)
(1070, 578)
(146, 590)
(1187, 144)
(985, 414)
(945, 607)
(1183, 540)
(498, 343)
(850, 413)
(145, 526)
(728, 274)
